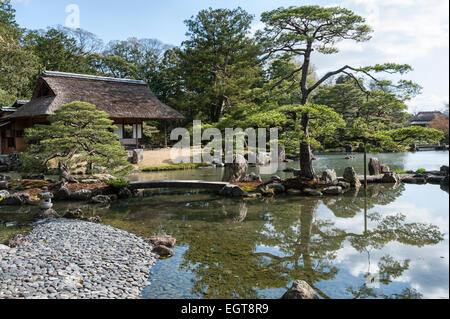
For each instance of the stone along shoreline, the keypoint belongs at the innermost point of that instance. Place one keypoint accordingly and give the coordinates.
(76, 259)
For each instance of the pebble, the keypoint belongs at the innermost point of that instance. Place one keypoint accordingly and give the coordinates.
(71, 259)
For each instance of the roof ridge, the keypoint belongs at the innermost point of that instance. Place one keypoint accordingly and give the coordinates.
(90, 77)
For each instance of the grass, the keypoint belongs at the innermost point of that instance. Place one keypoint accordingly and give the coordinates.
(173, 167)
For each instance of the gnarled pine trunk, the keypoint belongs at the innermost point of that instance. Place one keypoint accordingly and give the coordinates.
(306, 158)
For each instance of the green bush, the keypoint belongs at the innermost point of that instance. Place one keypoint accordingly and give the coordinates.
(117, 183)
(421, 171)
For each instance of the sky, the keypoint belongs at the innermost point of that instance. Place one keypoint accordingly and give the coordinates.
(415, 32)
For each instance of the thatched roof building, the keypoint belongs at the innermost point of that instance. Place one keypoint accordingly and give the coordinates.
(424, 118)
(121, 98)
(128, 102)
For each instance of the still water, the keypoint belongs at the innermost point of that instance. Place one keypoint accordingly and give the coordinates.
(391, 243)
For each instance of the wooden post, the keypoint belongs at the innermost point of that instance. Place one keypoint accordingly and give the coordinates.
(165, 133)
(137, 135)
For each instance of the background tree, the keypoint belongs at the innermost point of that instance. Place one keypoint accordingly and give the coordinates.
(301, 31)
(77, 134)
(440, 123)
(18, 66)
(217, 65)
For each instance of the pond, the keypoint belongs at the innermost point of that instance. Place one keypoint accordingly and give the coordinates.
(391, 242)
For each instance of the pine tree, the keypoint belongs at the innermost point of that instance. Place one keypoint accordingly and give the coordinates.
(77, 134)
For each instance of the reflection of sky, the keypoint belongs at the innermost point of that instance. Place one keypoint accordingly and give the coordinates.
(428, 272)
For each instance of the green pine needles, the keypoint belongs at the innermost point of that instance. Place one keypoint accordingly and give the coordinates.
(78, 134)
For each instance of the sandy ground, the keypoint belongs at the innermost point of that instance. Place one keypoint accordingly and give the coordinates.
(157, 158)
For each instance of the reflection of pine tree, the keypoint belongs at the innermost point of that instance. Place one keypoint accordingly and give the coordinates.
(231, 244)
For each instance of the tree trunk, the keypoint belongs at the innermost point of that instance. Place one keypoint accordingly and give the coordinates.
(64, 174)
(306, 158)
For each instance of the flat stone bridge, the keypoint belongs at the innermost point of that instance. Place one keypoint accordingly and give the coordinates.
(214, 186)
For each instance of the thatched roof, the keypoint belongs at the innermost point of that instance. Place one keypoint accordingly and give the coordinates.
(423, 118)
(120, 98)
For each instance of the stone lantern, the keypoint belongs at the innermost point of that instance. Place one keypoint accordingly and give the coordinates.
(46, 199)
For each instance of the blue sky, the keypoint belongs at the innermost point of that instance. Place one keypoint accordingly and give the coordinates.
(406, 31)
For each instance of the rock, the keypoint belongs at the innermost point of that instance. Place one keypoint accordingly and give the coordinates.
(100, 199)
(391, 178)
(95, 219)
(4, 247)
(15, 199)
(444, 170)
(163, 251)
(344, 185)
(4, 193)
(17, 240)
(329, 176)
(300, 290)
(34, 176)
(351, 177)
(4, 168)
(237, 170)
(81, 195)
(125, 193)
(232, 191)
(4, 185)
(350, 157)
(74, 214)
(63, 194)
(218, 162)
(312, 192)
(138, 156)
(275, 179)
(436, 180)
(385, 169)
(374, 166)
(253, 177)
(262, 158)
(5, 177)
(162, 241)
(272, 189)
(333, 190)
(253, 195)
(48, 213)
(444, 182)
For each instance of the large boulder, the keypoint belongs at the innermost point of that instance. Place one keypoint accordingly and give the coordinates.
(232, 191)
(444, 170)
(74, 214)
(329, 176)
(237, 170)
(391, 178)
(272, 189)
(163, 251)
(374, 166)
(351, 177)
(100, 199)
(81, 195)
(444, 182)
(385, 169)
(4, 177)
(334, 190)
(300, 290)
(15, 199)
(48, 213)
(253, 177)
(162, 240)
(63, 194)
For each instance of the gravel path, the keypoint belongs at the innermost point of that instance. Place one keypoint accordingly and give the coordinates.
(76, 259)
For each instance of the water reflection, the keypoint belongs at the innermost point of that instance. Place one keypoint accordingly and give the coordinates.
(375, 245)
(255, 249)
